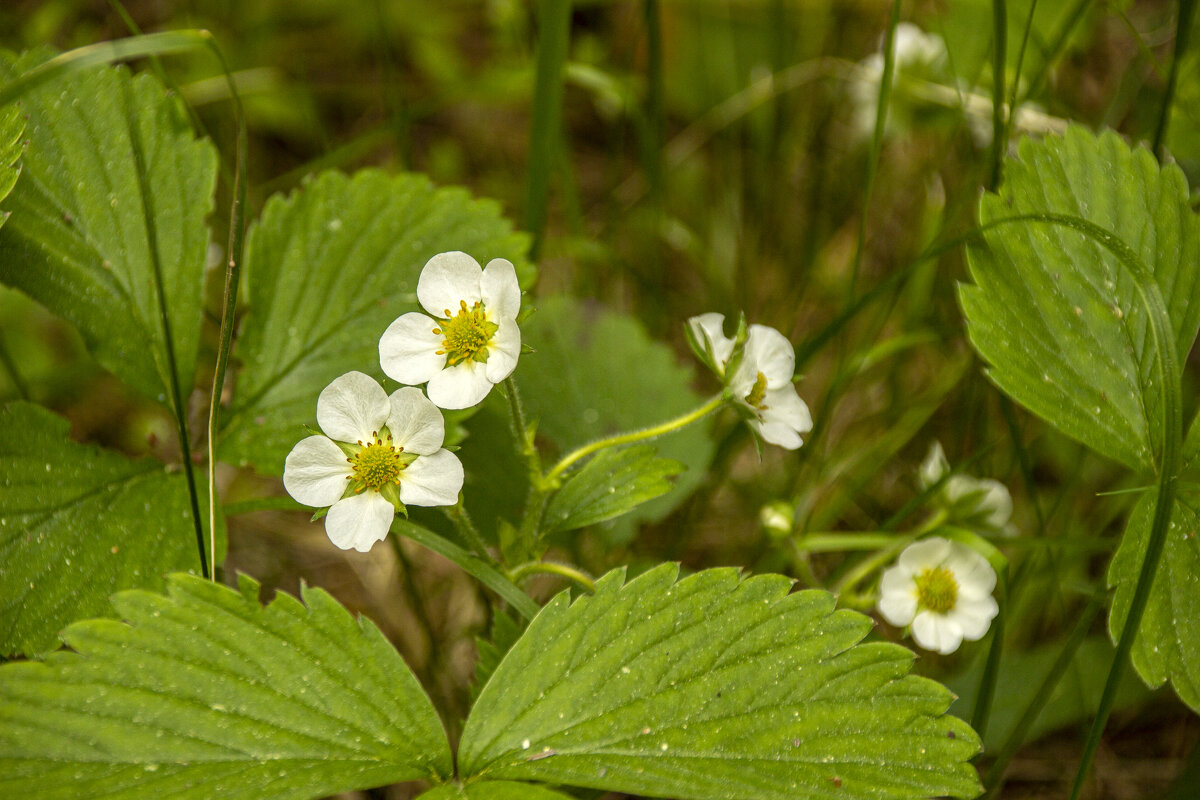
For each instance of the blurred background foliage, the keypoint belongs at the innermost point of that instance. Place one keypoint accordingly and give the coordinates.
(713, 156)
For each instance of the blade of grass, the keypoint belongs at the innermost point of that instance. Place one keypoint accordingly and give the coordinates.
(1183, 30)
(481, 570)
(995, 773)
(999, 67)
(103, 53)
(1055, 49)
(1012, 98)
(986, 694)
(554, 31)
(881, 107)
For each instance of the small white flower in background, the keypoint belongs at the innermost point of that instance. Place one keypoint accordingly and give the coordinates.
(761, 380)
(943, 590)
(918, 52)
(379, 454)
(474, 341)
(977, 502)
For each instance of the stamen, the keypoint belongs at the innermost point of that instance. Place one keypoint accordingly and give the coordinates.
(937, 589)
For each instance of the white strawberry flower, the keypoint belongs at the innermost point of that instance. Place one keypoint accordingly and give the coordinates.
(472, 342)
(943, 590)
(379, 454)
(761, 381)
(980, 503)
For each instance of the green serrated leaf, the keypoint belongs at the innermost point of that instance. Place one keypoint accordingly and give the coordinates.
(611, 483)
(1054, 312)
(205, 693)
(78, 523)
(108, 219)
(493, 790)
(596, 373)
(327, 269)
(491, 649)
(715, 687)
(12, 145)
(1167, 646)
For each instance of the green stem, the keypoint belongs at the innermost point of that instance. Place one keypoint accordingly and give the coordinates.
(576, 576)
(1183, 30)
(481, 570)
(999, 64)
(177, 401)
(633, 436)
(520, 429)
(233, 271)
(262, 504)
(881, 107)
(554, 33)
(838, 541)
(868, 566)
(1049, 684)
(986, 694)
(457, 514)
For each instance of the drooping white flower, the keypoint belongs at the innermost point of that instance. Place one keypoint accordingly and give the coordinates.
(977, 502)
(378, 452)
(943, 590)
(761, 381)
(473, 342)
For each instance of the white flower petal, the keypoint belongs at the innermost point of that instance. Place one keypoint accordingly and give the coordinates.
(461, 386)
(926, 553)
(785, 418)
(359, 521)
(408, 349)
(710, 327)
(503, 351)
(352, 408)
(974, 574)
(957, 487)
(446, 280)
(415, 423)
(777, 433)
(897, 597)
(934, 466)
(974, 617)
(935, 632)
(500, 290)
(996, 503)
(433, 480)
(315, 472)
(771, 354)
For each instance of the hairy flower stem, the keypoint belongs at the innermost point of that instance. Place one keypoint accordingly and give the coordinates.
(634, 436)
(576, 576)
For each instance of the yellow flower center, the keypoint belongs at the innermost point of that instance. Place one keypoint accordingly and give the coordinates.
(377, 464)
(466, 335)
(937, 589)
(757, 393)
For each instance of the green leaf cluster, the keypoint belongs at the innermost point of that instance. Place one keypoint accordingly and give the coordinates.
(1087, 261)
(713, 686)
